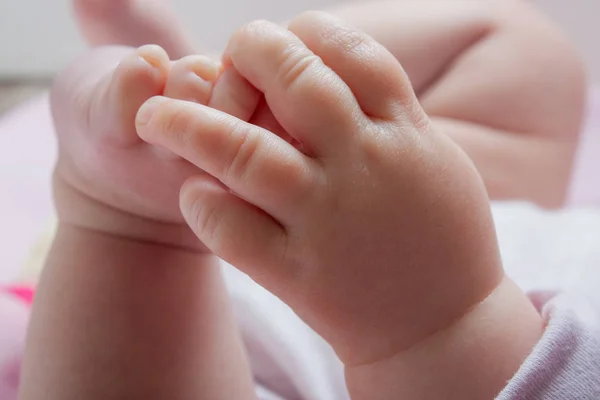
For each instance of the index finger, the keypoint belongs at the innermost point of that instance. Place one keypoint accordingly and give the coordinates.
(256, 164)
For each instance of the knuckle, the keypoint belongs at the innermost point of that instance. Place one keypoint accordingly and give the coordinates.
(345, 38)
(296, 65)
(205, 220)
(209, 230)
(300, 174)
(301, 181)
(174, 121)
(243, 154)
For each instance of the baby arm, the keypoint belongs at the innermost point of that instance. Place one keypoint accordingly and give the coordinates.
(129, 305)
(472, 358)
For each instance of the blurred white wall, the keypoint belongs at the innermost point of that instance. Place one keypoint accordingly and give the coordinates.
(38, 37)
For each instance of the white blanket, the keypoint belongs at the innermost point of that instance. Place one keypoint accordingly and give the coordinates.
(550, 250)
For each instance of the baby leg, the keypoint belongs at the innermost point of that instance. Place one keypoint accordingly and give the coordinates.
(121, 264)
(498, 78)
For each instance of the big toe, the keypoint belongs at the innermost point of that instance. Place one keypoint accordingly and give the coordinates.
(192, 79)
(116, 98)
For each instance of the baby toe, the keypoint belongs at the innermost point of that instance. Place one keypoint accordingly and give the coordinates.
(234, 95)
(192, 79)
(117, 98)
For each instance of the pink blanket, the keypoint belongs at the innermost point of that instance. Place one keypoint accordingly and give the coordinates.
(27, 153)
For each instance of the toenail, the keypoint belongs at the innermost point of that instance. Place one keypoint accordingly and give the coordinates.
(155, 62)
(208, 70)
(148, 109)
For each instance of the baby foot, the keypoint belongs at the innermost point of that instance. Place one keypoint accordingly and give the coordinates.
(378, 233)
(132, 23)
(198, 79)
(102, 158)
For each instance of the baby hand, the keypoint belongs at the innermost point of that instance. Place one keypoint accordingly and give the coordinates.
(378, 233)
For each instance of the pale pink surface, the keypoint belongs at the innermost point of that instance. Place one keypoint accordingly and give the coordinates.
(27, 153)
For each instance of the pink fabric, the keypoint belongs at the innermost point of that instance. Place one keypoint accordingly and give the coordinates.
(23, 293)
(14, 316)
(27, 154)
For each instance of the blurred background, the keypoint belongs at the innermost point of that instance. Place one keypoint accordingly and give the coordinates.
(38, 37)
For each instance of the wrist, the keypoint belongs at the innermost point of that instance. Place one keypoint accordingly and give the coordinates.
(472, 358)
(77, 209)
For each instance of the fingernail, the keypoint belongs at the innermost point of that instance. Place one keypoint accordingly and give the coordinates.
(148, 109)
